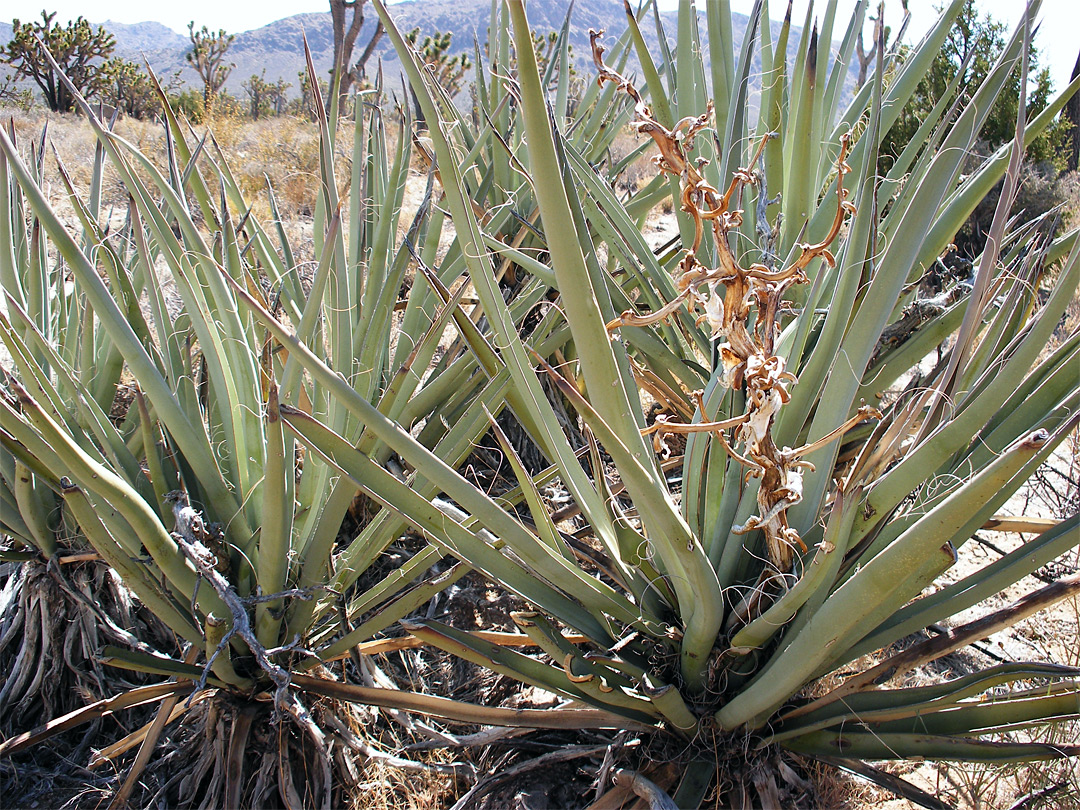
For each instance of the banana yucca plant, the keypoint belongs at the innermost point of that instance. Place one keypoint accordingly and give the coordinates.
(831, 467)
(798, 481)
(197, 496)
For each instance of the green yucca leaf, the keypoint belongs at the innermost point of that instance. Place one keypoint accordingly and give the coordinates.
(276, 532)
(510, 662)
(907, 746)
(189, 436)
(135, 574)
(678, 550)
(145, 523)
(969, 591)
(881, 705)
(525, 395)
(876, 589)
(144, 662)
(381, 485)
(31, 499)
(393, 612)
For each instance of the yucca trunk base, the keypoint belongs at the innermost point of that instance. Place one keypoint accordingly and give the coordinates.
(228, 753)
(54, 616)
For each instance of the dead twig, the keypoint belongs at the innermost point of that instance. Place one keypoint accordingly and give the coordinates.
(645, 789)
(190, 534)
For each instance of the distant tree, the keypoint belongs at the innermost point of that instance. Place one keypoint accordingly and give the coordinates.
(974, 42)
(11, 95)
(227, 105)
(304, 106)
(449, 70)
(278, 96)
(435, 51)
(265, 98)
(544, 46)
(258, 93)
(346, 31)
(207, 57)
(1071, 114)
(81, 52)
(131, 91)
(188, 103)
(866, 57)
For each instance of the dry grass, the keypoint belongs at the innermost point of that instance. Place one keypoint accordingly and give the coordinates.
(283, 152)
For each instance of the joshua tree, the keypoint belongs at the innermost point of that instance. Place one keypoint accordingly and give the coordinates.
(207, 57)
(131, 91)
(81, 51)
(276, 96)
(449, 70)
(266, 98)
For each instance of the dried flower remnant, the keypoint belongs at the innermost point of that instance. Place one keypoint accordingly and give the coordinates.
(726, 295)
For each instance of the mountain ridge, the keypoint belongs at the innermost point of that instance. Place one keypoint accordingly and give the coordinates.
(277, 48)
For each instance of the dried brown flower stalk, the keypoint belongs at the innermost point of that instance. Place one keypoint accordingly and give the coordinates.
(726, 294)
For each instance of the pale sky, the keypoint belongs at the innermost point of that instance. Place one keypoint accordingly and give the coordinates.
(1057, 41)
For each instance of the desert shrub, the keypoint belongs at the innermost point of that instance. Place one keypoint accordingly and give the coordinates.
(722, 482)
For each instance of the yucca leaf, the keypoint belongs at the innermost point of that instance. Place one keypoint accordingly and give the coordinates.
(136, 661)
(839, 72)
(731, 112)
(510, 662)
(896, 263)
(138, 696)
(382, 486)
(818, 574)
(394, 582)
(1009, 713)
(393, 612)
(525, 395)
(658, 96)
(276, 532)
(10, 214)
(191, 438)
(80, 413)
(31, 500)
(722, 61)
(872, 593)
(872, 706)
(693, 580)
(801, 146)
(431, 705)
(104, 483)
(924, 746)
(545, 527)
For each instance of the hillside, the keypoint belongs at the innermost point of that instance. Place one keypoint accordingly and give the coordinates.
(277, 48)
